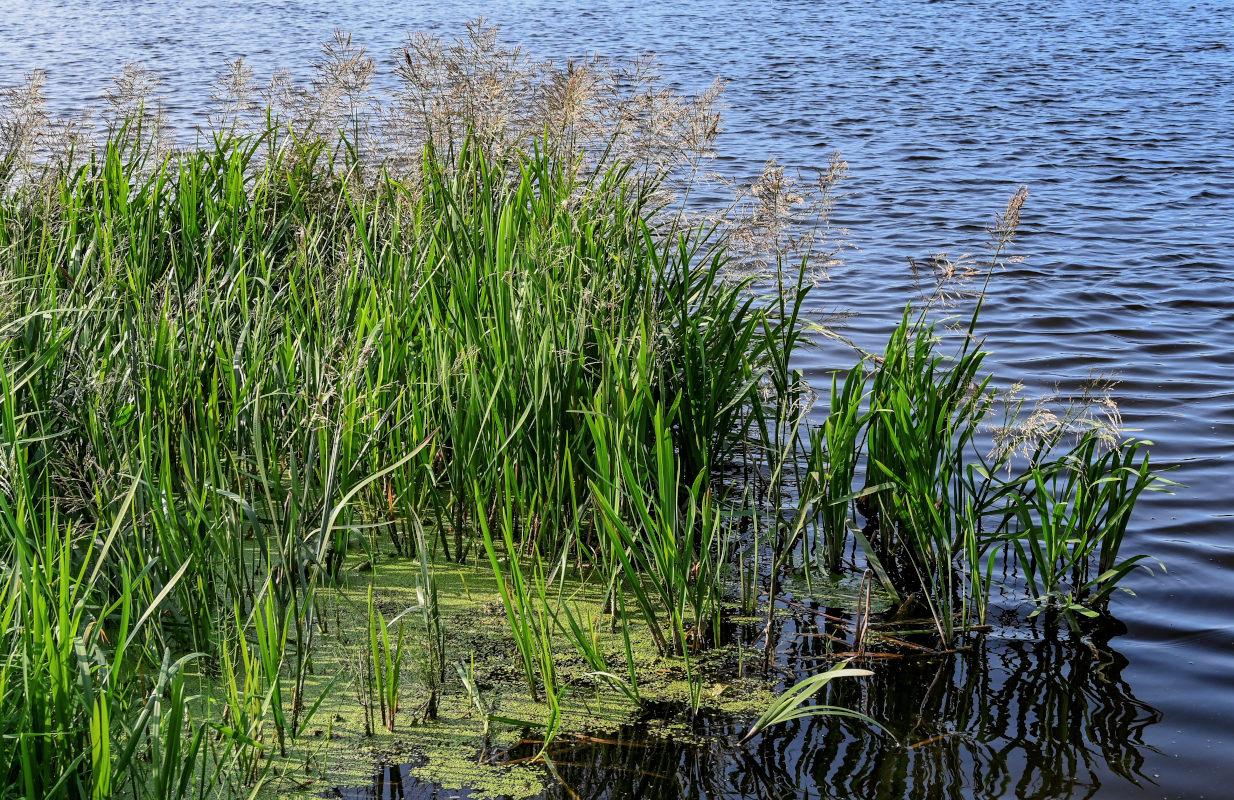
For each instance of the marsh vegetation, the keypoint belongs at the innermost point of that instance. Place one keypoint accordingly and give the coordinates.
(348, 420)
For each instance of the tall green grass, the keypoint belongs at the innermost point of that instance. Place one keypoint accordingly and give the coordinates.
(227, 370)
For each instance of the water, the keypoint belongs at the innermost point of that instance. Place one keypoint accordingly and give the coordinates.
(1032, 720)
(1118, 115)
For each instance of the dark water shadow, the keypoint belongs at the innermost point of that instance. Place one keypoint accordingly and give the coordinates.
(1031, 718)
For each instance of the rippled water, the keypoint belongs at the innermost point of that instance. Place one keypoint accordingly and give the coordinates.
(1119, 116)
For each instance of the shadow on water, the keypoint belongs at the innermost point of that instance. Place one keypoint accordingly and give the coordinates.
(1037, 719)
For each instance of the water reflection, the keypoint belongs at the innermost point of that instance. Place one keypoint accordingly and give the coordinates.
(1035, 720)
(1038, 719)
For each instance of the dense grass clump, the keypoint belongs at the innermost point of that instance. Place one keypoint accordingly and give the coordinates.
(235, 374)
(222, 376)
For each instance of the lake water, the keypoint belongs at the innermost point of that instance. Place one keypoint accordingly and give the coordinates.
(1118, 115)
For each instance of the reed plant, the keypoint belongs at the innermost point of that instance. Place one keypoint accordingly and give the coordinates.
(1073, 514)
(246, 708)
(791, 704)
(75, 658)
(676, 541)
(180, 766)
(228, 367)
(387, 664)
(433, 646)
(835, 452)
(925, 411)
(526, 605)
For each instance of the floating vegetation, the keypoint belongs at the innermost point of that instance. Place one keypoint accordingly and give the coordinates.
(446, 401)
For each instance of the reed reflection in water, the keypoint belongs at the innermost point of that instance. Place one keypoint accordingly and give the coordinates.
(1037, 719)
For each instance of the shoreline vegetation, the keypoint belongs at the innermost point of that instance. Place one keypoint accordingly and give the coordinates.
(360, 431)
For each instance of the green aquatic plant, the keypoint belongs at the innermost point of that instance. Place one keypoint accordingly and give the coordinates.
(467, 677)
(925, 411)
(246, 707)
(675, 539)
(583, 632)
(791, 704)
(526, 607)
(387, 663)
(73, 657)
(433, 646)
(1073, 514)
(232, 372)
(835, 451)
(271, 630)
(179, 766)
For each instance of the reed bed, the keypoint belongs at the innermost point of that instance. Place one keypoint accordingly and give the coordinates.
(458, 333)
